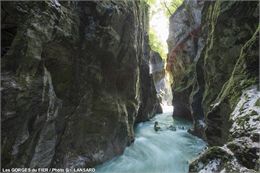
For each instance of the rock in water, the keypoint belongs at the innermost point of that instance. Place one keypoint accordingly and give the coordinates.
(72, 78)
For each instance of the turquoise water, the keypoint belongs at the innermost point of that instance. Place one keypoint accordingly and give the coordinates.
(165, 151)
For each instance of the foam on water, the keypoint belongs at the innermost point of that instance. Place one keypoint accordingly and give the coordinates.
(165, 151)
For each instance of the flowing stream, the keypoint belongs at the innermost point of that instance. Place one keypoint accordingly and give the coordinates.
(164, 151)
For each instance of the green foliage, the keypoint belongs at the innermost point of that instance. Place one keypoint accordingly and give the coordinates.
(150, 2)
(166, 8)
(170, 6)
(156, 44)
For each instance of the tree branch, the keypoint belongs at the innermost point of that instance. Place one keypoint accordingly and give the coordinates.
(165, 5)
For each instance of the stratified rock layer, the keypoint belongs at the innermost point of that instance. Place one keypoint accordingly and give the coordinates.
(215, 71)
(72, 79)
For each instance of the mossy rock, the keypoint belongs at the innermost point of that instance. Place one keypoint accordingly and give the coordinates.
(212, 153)
(257, 103)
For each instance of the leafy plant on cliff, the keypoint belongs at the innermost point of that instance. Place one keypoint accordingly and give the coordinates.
(170, 6)
(159, 13)
(155, 43)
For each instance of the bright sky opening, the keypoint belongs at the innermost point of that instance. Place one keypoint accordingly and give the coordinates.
(160, 22)
(160, 12)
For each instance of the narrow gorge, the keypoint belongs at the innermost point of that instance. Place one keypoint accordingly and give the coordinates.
(83, 85)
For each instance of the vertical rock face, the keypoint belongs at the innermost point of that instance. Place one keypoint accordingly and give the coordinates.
(215, 75)
(185, 47)
(149, 102)
(72, 78)
(162, 86)
(232, 47)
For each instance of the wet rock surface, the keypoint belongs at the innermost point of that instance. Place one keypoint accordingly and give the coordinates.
(215, 72)
(72, 81)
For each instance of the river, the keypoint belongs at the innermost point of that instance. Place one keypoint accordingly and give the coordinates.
(164, 151)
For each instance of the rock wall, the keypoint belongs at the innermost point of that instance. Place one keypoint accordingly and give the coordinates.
(185, 45)
(215, 71)
(161, 82)
(72, 81)
(150, 103)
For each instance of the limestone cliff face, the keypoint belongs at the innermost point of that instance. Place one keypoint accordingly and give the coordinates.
(185, 44)
(150, 104)
(71, 81)
(162, 85)
(216, 83)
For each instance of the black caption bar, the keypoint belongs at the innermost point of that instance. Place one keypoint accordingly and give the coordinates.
(47, 170)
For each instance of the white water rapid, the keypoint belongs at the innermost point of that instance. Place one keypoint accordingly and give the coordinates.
(164, 151)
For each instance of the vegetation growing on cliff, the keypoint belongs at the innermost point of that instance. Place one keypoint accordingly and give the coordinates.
(159, 13)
